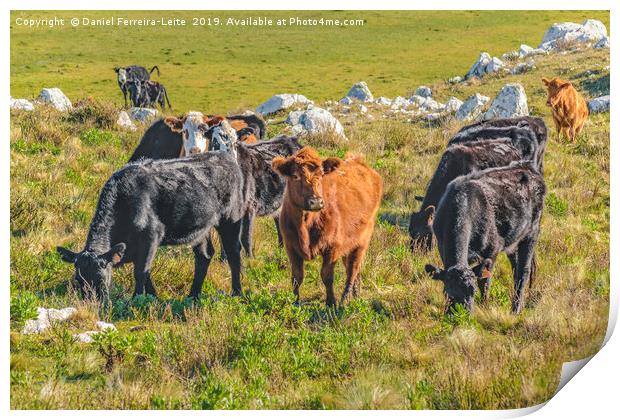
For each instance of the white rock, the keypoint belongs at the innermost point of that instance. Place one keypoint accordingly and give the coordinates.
(346, 101)
(424, 91)
(485, 64)
(472, 107)
(143, 114)
(55, 98)
(510, 55)
(360, 92)
(102, 326)
(600, 104)
(511, 101)
(23, 104)
(431, 105)
(417, 100)
(382, 100)
(399, 103)
(589, 32)
(363, 109)
(453, 104)
(314, 120)
(524, 67)
(124, 121)
(85, 337)
(280, 102)
(454, 80)
(603, 43)
(433, 116)
(45, 318)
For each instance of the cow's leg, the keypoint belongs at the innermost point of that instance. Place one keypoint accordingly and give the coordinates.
(125, 96)
(484, 285)
(571, 133)
(524, 266)
(276, 219)
(203, 252)
(353, 263)
(558, 128)
(223, 257)
(297, 272)
(229, 233)
(327, 275)
(247, 226)
(142, 265)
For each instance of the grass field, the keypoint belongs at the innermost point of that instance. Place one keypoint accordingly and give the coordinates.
(392, 347)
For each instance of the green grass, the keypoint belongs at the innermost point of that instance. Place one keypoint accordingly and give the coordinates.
(221, 69)
(391, 348)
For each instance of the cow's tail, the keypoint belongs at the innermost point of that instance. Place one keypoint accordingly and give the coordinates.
(167, 100)
(155, 68)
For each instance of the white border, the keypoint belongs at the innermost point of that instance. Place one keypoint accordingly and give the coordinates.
(592, 393)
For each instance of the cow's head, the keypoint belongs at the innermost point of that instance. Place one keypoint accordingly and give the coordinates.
(93, 272)
(121, 74)
(554, 86)
(458, 284)
(223, 138)
(193, 127)
(421, 228)
(304, 172)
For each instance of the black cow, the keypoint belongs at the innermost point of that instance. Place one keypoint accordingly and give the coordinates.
(147, 94)
(125, 74)
(457, 160)
(508, 127)
(151, 203)
(480, 215)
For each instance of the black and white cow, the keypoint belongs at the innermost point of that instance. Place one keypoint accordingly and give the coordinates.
(147, 94)
(150, 203)
(125, 74)
(481, 215)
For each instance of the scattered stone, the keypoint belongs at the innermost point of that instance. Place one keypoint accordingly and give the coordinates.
(484, 65)
(424, 91)
(600, 104)
(55, 98)
(382, 100)
(400, 103)
(280, 102)
(45, 318)
(87, 336)
(511, 101)
(524, 67)
(346, 101)
(416, 100)
(314, 120)
(510, 55)
(527, 51)
(472, 107)
(22, 104)
(431, 105)
(453, 104)
(603, 43)
(124, 121)
(433, 116)
(143, 115)
(360, 92)
(363, 109)
(454, 80)
(590, 32)
(102, 326)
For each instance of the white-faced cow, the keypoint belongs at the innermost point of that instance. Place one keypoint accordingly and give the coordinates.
(125, 74)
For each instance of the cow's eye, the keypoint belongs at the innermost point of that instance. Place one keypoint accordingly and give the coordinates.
(296, 177)
(312, 168)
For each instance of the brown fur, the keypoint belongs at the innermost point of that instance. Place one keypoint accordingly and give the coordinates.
(342, 228)
(569, 108)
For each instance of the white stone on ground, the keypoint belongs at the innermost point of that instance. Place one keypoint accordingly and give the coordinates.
(424, 91)
(281, 102)
(361, 92)
(124, 121)
(382, 100)
(484, 65)
(314, 120)
(55, 98)
(603, 43)
(45, 318)
(589, 32)
(22, 104)
(511, 101)
(453, 104)
(472, 107)
(600, 104)
(143, 114)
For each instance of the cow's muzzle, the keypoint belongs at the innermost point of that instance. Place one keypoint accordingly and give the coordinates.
(195, 151)
(314, 203)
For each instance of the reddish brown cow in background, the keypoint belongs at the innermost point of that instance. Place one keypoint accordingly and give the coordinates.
(569, 109)
(329, 209)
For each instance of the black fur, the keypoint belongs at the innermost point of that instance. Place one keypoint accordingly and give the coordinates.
(147, 94)
(481, 215)
(150, 203)
(132, 73)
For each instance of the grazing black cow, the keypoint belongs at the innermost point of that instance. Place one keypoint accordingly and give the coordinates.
(508, 127)
(172, 137)
(151, 203)
(125, 74)
(480, 215)
(147, 94)
(457, 160)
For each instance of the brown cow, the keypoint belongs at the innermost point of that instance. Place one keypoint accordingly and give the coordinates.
(569, 109)
(329, 209)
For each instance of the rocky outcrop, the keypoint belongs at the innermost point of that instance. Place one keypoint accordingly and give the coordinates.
(600, 104)
(361, 92)
(45, 319)
(55, 98)
(603, 43)
(424, 91)
(124, 121)
(22, 104)
(314, 120)
(472, 107)
(281, 102)
(560, 35)
(453, 104)
(485, 65)
(143, 115)
(511, 101)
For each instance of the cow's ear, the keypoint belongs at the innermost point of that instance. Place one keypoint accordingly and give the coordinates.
(66, 255)
(331, 164)
(546, 81)
(175, 124)
(212, 120)
(116, 69)
(564, 84)
(434, 272)
(429, 214)
(115, 255)
(282, 165)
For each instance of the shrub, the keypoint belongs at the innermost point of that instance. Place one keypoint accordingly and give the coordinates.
(24, 306)
(93, 112)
